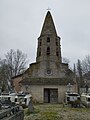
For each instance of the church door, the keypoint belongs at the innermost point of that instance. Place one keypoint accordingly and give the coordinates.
(50, 95)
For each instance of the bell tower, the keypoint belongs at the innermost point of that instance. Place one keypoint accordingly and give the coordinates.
(48, 43)
(48, 60)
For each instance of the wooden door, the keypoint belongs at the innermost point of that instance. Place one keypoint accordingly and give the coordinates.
(50, 95)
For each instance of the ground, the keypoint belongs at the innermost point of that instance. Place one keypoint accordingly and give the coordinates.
(57, 112)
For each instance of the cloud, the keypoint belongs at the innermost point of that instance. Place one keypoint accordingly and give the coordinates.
(21, 22)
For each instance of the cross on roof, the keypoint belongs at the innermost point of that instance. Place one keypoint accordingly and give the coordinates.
(48, 9)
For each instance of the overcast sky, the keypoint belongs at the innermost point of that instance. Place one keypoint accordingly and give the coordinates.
(21, 22)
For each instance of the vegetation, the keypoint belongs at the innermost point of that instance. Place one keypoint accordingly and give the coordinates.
(81, 72)
(13, 65)
(57, 112)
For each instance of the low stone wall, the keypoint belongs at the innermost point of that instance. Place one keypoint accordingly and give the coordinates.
(13, 113)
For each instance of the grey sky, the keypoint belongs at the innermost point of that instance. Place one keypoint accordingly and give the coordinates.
(21, 22)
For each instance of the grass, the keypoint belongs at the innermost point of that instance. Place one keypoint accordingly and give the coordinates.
(57, 112)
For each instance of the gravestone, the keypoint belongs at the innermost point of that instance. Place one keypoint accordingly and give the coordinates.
(31, 107)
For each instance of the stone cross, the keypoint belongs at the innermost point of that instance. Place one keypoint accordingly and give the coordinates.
(48, 9)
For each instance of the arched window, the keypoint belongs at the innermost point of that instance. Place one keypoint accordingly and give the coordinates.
(48, 50)
(57, 52)
(56, 42)
(39, 54)
(40, 42)
(48, 39)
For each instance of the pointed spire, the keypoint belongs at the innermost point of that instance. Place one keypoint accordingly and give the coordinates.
(48, 26)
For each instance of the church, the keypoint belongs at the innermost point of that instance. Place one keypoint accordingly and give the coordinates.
(48, 77)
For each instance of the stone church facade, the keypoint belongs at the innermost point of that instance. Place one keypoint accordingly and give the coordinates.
(47, 78)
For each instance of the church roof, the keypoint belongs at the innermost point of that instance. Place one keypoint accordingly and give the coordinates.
(48, 26)
(47, 81)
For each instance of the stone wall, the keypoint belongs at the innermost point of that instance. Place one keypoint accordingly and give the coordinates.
(37, 91)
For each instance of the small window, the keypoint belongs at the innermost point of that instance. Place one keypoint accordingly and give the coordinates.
(48, 50)
(57, 52)
(40, 42)
(56, 42)
(48, 39)
(39, 54)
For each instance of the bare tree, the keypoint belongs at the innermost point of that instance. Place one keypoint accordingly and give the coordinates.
(3, 75)
(13, 65)
(86, 71)
(86, 64)
(16, 61)
(79, 71)
(74, 71)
